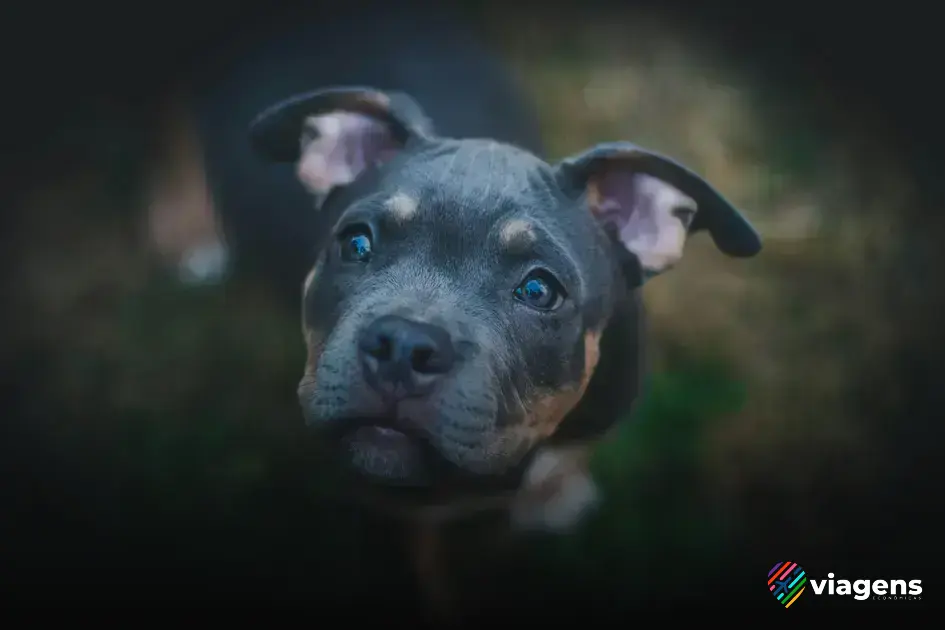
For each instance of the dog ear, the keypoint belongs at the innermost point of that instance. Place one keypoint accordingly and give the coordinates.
(334, 134)
(652, 203)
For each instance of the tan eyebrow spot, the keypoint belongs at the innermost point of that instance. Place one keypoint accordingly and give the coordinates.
(402, 206)
(517, 230)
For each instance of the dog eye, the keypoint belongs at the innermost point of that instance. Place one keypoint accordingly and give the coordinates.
(540, 290)
(356, 245)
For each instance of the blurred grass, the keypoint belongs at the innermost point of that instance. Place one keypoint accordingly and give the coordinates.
(650, 477)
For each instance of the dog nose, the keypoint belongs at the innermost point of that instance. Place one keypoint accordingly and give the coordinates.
(405, 358)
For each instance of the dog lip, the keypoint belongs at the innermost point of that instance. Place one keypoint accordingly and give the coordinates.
(436, 474)
(342, 427)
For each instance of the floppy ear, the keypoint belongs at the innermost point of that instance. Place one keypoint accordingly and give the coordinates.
(652, 203)
(334, 134)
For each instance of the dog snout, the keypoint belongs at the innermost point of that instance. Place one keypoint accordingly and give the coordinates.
(403, 358)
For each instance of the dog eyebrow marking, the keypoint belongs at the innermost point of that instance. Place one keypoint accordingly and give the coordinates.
(517, 232)
(402, 206)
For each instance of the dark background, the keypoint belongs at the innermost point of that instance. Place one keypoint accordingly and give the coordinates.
(131, 462)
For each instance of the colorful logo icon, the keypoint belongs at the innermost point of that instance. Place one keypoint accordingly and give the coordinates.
(786, 582)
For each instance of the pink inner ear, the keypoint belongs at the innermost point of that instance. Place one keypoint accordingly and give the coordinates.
(620, 201)
(643, 209)
(344, 146)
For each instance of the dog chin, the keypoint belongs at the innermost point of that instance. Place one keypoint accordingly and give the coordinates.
(387, 456)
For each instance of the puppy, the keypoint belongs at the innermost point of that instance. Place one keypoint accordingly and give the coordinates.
(473, 317)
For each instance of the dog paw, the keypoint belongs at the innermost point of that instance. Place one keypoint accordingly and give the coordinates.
(557, 493)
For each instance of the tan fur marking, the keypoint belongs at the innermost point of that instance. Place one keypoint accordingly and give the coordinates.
(591, 356)
(517, 231)
(557, 488)
(402, 206)
(314, 340)
(309, 281)
(548, 410)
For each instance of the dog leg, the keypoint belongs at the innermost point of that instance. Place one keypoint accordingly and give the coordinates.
(557, 492)
(427, 552)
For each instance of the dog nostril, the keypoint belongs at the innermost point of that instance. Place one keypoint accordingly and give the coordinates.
(421, 359)
(382, 350)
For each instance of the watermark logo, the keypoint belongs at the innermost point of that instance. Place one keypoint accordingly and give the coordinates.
(786, 581)
(877, 590)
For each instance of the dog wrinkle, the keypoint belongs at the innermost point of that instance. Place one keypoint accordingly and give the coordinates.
(402, 206)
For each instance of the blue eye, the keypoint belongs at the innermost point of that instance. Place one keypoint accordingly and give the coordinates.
(356, 246)
(539, 290)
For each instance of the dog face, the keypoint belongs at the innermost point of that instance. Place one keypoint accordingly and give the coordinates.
(454, 307)
(456, 311)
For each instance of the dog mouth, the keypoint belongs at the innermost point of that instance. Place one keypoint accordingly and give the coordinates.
(392, 455)
(384, 450)
(385, 453)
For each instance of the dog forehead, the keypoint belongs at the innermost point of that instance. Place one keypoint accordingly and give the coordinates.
(484, 175)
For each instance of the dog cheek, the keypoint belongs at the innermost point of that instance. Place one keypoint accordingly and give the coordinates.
(308, 386)
(313, 278)
(547, 409)
(333, 379)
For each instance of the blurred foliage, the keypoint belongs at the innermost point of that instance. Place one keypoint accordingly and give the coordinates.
(650, 475)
